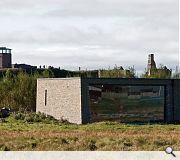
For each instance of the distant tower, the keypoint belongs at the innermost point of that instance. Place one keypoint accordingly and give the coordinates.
(151, 63)
(5, 57)
(99, 73)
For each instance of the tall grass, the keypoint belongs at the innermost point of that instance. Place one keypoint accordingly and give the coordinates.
(44, 133)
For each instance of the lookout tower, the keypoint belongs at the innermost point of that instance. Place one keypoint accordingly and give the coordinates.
(151, 63)
(5, 57)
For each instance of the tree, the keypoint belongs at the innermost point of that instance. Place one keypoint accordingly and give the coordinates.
(19, 91)
(131, 72)
(176, 74)
(47, 73)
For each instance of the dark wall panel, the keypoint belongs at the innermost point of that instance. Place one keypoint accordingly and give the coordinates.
(176, 96)
(172, 94)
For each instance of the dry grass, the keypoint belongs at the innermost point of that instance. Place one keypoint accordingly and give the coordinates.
(104, 136)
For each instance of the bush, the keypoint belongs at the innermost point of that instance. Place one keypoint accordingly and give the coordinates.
(18, 116)
(32, 117)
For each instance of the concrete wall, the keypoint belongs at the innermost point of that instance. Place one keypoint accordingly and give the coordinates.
(63, 98)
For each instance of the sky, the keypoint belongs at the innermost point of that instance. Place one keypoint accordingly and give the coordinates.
(91, 34)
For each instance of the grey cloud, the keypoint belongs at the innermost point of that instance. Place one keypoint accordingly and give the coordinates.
(93, 32)
(93, 8)
(115, 8)
(72, 35)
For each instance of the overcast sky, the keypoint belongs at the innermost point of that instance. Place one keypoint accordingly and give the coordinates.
(91, 33)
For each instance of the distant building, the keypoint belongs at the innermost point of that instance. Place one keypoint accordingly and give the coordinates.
(117, 72)
(5, 57)
(151, 63)
(24, 66)
(161, 72)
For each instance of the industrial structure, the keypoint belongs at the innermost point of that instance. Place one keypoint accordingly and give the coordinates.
(5, 57)
(152, 68)
(151, 63)
(6, 60)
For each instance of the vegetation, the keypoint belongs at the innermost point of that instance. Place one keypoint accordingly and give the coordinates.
(118, 72)
(45, 133)
(18, 87)
(32, 117)
(161, 72)
(176, 74)
(31, 131)
(18, 91)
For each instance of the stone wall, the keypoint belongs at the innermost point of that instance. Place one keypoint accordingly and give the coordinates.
(63, 98)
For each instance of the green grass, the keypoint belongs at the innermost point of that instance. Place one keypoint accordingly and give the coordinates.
(46, 135)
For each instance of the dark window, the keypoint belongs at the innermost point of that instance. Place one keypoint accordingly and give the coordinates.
(45, 97)
(134, 104)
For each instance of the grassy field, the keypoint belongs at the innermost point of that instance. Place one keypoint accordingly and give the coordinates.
(20, 135)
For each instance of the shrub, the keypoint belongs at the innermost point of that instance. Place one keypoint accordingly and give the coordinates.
(31, 117)
(18, 116)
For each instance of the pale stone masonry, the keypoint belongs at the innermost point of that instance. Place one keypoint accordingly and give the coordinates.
(68, 98)
(60, 98)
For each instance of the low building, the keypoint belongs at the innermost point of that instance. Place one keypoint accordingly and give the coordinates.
(153, 71)
(24, 66)
(68, 98)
